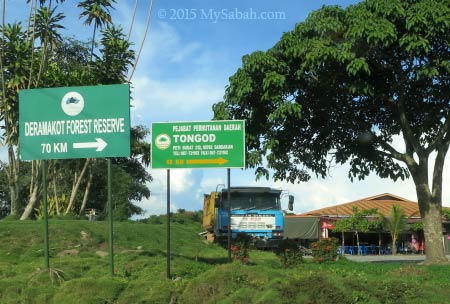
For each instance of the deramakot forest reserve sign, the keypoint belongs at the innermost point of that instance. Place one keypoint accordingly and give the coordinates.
(74, 122)
(203, 144)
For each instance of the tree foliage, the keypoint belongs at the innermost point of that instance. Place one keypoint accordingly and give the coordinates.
(97, 11)
(345, 86)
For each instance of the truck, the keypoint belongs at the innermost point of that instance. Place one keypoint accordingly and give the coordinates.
(255, 211)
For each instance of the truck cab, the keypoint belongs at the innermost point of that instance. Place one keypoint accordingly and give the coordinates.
(255, 211)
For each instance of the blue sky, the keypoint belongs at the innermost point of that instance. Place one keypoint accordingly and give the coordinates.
(190, 52)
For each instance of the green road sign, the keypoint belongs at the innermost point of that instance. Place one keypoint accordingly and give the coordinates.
(204, 144)
(74, 122)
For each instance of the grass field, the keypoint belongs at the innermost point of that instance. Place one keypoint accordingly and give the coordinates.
(200, 273)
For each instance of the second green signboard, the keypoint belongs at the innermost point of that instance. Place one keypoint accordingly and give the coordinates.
(204, 144)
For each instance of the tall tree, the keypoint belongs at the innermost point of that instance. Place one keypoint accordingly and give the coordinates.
(96, 11)
(15, 63)
(341, 87)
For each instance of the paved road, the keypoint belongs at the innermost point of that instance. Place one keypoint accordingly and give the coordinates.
(414, 258)
(387, 258)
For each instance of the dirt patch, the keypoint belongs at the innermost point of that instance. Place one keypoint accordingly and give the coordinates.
(84, 235)
(132, 251)
(409, 271)
(101, 253)
(68, 252)
(102, 246)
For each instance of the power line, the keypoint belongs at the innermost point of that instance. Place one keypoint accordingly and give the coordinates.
(143, 39)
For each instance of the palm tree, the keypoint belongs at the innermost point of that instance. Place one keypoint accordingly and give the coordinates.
(47, 24)
(97, 11)
(395, 223)
(116, 57)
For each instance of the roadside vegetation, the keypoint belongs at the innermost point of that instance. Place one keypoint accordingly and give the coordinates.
(200, 271)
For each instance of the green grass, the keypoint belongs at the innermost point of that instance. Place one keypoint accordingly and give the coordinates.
(200, 272)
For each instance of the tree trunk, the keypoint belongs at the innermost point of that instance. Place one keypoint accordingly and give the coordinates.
(394, 245)
(93, 40)
(379, 243)
(13, 180)
(357, 242)
(430, 206)
(34, 189)
(13, 198)
(431, 214)
(31, 203)
(55, 193)
(77, 185)
(86, 193)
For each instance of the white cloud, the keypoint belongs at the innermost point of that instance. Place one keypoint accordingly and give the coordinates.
(182, 192)
(156, 204)
(212, 183)
(180, 180)
(175, 78)
(181, 53)
(173, 100)
(165, 43)
(166, 51)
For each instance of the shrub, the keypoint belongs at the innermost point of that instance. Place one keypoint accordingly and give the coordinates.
(325, 250)
(240, 249)
(11, 218)
(68, 216)
(288, 253)
(155, 220)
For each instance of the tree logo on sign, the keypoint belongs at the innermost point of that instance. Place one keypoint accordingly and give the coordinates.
(72, 103)
(162, 141)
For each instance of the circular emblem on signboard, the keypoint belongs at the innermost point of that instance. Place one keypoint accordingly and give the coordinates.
(162, 141)
(72, 103)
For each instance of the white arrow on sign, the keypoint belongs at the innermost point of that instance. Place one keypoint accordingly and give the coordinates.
(99, 143)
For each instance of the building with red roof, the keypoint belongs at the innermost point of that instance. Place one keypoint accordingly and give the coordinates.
(315, 224)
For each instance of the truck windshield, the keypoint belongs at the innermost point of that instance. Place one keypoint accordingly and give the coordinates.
(250, 201)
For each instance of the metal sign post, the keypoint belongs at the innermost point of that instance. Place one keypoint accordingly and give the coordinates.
(45, 207)
(229, 214)
(110, 220)
(168, 226)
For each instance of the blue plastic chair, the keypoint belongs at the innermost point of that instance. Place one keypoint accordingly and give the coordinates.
(362, 249)
(351, 250)
(387, 250)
